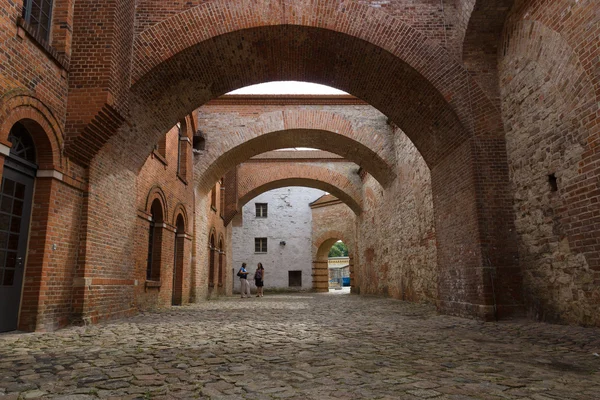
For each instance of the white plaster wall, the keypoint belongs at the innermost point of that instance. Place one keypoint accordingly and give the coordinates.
(290, 220)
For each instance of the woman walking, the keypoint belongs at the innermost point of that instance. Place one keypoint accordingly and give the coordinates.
(259, 276)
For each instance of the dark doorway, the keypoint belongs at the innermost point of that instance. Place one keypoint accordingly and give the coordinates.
(295, 278)
(16, 195)
(177, 296)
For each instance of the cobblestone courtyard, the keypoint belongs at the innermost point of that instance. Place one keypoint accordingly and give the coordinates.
(308, 346)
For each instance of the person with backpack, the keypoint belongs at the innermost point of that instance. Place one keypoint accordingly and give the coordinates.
(245, 286)
(259, 276)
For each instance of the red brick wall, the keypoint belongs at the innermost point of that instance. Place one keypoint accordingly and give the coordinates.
(209, 221)
(159, 175)
(28, 66)
(550, 101)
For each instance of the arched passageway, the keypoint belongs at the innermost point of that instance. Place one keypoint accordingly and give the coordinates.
(368, 146)
(415, 84)
(321, 247)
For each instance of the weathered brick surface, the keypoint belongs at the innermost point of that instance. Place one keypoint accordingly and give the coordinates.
(550, 99)
(235, 133)
(396, 238)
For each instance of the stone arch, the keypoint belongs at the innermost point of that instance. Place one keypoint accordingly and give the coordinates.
(39, 121)
(252, 184)
(321, 246)
(317, 129)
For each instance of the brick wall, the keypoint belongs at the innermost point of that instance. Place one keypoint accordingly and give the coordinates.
(159, 178)
(396, 239)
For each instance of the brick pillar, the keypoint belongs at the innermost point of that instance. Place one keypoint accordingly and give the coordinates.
(479, 273)
(320, 276)
(351, 266)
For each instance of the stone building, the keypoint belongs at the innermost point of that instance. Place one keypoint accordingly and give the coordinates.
(275, 229)
(467, 149)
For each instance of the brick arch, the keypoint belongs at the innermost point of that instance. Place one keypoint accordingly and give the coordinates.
(180, 209)
(179, 64)
(316, 129)
(252, 184)
(321, 247)
(39, 121)
(322, 241)
(155, 193)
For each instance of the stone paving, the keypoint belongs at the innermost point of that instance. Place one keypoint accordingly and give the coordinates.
(306, 346)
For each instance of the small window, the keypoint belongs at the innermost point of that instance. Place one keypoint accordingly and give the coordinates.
(180, 150)
(38, 14)
(553, 181)
(295, 278)
(222, 199)
(260, 245)
(213, 198)
(261, 210)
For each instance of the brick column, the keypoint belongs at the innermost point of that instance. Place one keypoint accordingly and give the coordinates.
(320, 276)
(479, 273)
(351, 267)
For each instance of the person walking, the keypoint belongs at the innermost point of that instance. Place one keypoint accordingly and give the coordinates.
(245, 286)
(259, 276)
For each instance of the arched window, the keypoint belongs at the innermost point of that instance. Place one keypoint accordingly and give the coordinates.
(160, 149)
(222, 198)
(155, 233)
(179, 150)
(211, 266)
(183, 149)
(221, 262)
(213, 198)
(22, 143)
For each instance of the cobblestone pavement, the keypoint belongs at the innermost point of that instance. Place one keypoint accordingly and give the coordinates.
(306, 346)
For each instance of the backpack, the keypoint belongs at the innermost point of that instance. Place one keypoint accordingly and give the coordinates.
(240, 273)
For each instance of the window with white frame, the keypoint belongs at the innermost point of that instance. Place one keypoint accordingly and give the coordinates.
(261, 210)
(260, 245)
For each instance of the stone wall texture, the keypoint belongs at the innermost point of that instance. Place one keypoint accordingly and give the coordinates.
(550, 92)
